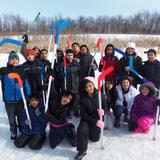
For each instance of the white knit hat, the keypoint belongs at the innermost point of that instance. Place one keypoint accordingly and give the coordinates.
(92, 80)
(131, 45)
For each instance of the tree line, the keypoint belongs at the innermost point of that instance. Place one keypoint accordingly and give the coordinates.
(141, 23)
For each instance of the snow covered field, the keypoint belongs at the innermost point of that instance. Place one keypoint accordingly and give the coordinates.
(119, 143)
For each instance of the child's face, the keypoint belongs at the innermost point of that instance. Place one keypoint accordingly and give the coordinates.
(109, 86)
(125, 84)
(109, 50)
(14, 62)
(151, 56)
(89, 88)
(145, 91)
(30, 57)
(44, 55)
(66, 100)
(70, 56)
(59, 55)
(36, 51)
(130, 51)
(76, 48)
(34, 102)
(83, 50)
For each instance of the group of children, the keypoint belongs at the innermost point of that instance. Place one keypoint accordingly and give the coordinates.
(74, 90)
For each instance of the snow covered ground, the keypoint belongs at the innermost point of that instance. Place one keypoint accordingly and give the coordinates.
(119, 143)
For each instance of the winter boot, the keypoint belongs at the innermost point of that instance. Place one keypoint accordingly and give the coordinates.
(117, 123)
(13, 136)
(80, 156)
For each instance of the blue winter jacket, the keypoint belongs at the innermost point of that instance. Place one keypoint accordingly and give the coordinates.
(10, 88)
(38, 121)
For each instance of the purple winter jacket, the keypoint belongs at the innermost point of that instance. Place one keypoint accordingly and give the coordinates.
(143, 105)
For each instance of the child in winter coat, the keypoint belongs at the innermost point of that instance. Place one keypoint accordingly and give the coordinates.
(143, 111)
(151, 68)
(36, 136)
(85, 62)
(125, 97)
(90, 125)
(57, 69)
(123, 64)
(33, 71)
(11, 92)
(46, 71)
(60, 127)
(109, 60)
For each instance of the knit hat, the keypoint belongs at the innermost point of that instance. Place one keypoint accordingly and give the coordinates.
(92, 80)
(30, 52)
(150, 85)
(12, 55)
(131, 45)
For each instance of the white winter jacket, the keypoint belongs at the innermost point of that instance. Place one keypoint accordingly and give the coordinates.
(129, 96)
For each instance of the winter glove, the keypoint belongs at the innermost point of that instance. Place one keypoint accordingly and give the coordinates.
(38, 112)
(100, 112)
(100, 124)
(132, 126)
(25, 38)
(127, 68)
(27, 122)
(158, 102)
(93, 66)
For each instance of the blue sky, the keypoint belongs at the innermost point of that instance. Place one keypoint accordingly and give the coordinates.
(74, 8)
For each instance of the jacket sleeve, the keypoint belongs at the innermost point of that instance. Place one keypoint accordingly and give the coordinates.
(86, 117)
(25, 128)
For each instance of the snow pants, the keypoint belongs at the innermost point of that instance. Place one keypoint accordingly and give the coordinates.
(56, 135)
(34, 142)
(85, 132)
(14, 111)
(118, 110)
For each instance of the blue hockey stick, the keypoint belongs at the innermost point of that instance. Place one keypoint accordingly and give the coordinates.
(11, 41)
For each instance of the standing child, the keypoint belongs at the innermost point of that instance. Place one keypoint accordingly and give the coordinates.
(143, 111)
(32, 68)
(90, 125)
(109, 60)
(123, 64)
(11, 92)
(85, 62)
(60, 127)
(151, 68)
(36, 136)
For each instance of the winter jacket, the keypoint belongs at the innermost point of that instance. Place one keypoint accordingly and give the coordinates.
(33, 71)
(38, 120)
(89, 106)
(73, 72)
(129, 96)
(85, 62)
(137, 64)
(151, 71)
(109, 61)
(57, 114)
(10, 88)
(143, 105)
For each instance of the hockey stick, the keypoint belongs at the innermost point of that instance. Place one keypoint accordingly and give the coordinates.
(100, 78)
(60, 28)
